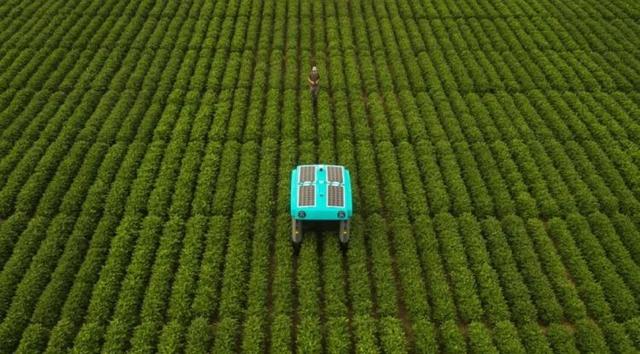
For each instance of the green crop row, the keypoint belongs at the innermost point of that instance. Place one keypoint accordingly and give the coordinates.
(130, 209)
(147, 148)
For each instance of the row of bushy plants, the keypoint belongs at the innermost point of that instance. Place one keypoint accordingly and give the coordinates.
(70, 199)
(134, 206)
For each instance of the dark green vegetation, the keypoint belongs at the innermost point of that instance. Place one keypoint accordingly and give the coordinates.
(146, 148)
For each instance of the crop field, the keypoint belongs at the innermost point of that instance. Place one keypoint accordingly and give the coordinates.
(145, 157)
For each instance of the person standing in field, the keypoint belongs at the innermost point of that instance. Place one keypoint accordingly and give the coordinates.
(314, 79)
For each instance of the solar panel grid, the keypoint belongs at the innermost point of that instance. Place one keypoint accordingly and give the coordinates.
(306, 195)
(336, 196)
(334, 174)
(307, 174)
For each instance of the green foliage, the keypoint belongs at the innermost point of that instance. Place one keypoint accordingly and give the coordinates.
(549, 309)
(252, 340)
(591, 292)
(381, 266)
(409, 269)
(618, 294)
(88, 338)
(171, 339)
(9, 232)
(359, 283)
(225, 336)
(633, 330)
(443, 307)
(480, 339)
(516, 293)
(146, 150)
(533, 338)
(392, 337)
(338, 340)
(616, 251)
(455, 259)
(134, 284)
(561, 339)
(461, 201)
(34, 339)
(199, 336)
(616, 337)
(426, 336)
(281, 334)
(451, 338)
(310, 336)
(439, 200)
(589, 337)
(572, 305)
(489, 289)
(365, 334)
(507, 338)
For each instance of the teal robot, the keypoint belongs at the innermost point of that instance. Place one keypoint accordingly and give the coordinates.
(320, 193)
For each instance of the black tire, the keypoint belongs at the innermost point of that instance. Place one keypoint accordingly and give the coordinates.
(296, 231)
(344, 231)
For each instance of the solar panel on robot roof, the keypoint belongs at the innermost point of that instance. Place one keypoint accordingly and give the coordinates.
(307, 173)
(334, 174)
(307, 195)
(336, 196)
(312, 186)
